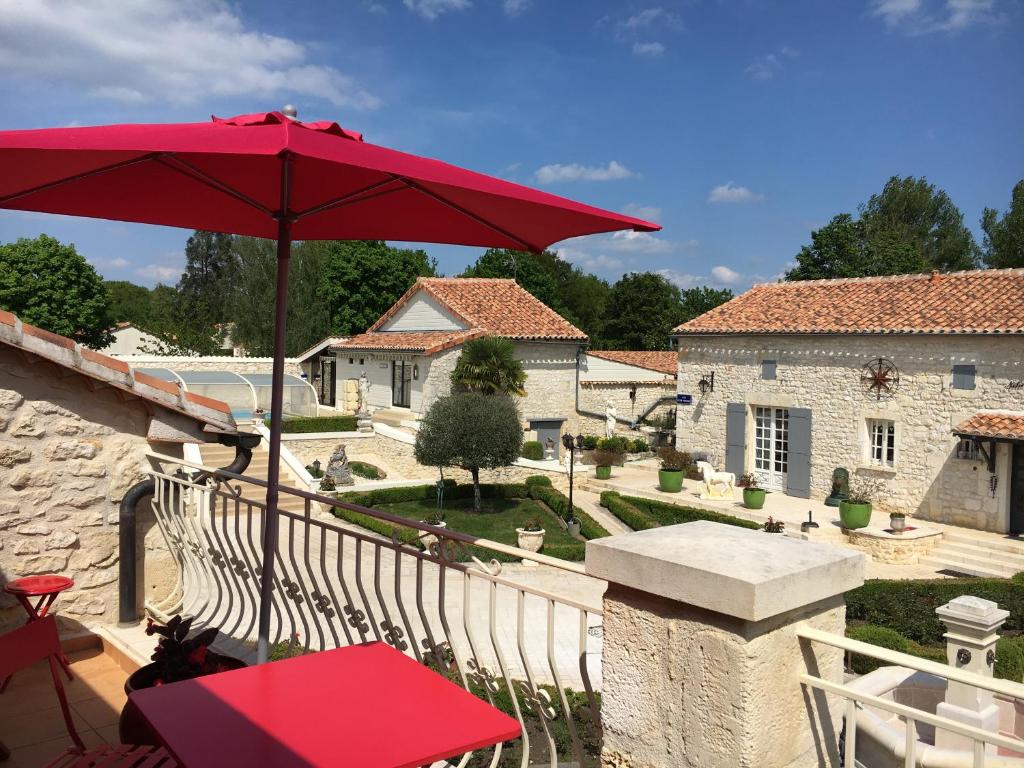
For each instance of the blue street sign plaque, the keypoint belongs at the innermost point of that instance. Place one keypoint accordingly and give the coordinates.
(684, 399)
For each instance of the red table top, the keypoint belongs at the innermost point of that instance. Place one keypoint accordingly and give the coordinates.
(33, 586)
(364, 706)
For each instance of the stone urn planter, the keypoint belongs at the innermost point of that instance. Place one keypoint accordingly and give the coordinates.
(428, 539)
(531, 541)
(670, 480)
(753, 498)
(854, 515)
(602, 473)
(573, 527)
(897, 523)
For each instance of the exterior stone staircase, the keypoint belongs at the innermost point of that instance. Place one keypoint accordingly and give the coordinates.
(977, 554)
(222, 455)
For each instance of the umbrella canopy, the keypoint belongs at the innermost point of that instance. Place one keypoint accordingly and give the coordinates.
(269, 175)
(226, 176)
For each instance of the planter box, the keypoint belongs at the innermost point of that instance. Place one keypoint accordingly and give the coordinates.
(753, 498)
(854, 516)
(602, 473)
(531, 541)
(670, 480)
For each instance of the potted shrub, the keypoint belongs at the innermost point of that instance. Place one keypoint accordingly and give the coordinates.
(603, 461)
(855, 511)
(673, 465)
(897, 522)
(531, 536)
(436, 519)
(177, 657)
(753, 495)
(772, 525)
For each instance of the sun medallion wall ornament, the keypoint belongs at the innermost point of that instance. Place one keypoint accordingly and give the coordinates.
(880, 378)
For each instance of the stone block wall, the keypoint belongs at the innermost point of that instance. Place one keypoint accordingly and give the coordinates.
(67, 456)
(823, 373)
(596, 396)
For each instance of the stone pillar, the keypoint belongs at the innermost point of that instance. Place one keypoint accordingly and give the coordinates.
(700, 660)
(971, 635)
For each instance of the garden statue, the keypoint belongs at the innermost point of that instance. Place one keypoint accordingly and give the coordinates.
(840, 487)
(338, 469)
(364, 393)
(609, 420)
(549, 449)
(716, 485)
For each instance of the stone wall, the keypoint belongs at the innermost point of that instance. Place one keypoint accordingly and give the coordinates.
(595, 397)
(823, 373)
(67, 456)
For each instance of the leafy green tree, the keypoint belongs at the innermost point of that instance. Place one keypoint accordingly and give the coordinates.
(129, 303)
(50, 285)
(208, 280)
(586, 299)
(912, 211)
(842, 248)
(1004, 238)
(487, 365)
(178, 332)
(471, 431)
(253, 299)
(642, 310)
(696, 301)
(360, 280)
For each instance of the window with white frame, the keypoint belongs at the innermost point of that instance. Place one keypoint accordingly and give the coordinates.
(882, 442)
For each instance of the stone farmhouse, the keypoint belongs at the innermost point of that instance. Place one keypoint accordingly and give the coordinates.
(916, 382)
(75, 426)
(409, 353)
(638, 384)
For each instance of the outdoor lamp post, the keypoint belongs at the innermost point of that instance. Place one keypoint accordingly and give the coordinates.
(571, 445)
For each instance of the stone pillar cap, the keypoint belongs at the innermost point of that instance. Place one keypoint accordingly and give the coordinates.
(972, 611)
(740, 572)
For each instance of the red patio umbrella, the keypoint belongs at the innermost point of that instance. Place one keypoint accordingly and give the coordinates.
(269, 175)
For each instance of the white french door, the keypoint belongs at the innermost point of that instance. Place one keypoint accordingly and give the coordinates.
(771, 447)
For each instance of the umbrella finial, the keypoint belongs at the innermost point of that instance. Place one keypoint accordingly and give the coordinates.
(290, 111)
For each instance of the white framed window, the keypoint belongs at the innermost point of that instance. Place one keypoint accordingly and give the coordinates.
(882, 442)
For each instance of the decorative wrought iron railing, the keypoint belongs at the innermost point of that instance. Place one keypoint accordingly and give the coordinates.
(909, 751)
(504, 636)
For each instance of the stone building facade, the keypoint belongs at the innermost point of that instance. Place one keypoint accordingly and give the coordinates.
(878, 376)
(74, 429)
(638, 384)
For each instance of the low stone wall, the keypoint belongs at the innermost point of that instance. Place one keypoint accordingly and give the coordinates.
(212, 363)
(900, 549)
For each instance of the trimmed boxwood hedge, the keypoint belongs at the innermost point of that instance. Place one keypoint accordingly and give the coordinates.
(647, 513)
(302, 424)
(909, 606)
(533, 480)
(626, 512)
(533, 449)
(558, 502)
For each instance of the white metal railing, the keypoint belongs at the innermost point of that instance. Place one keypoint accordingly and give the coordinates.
(527, 650)
(911, 715)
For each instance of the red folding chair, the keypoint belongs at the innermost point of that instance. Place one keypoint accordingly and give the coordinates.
(38, 640)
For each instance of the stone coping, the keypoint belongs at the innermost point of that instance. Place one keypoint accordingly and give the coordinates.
(739, 572)
(876, 532)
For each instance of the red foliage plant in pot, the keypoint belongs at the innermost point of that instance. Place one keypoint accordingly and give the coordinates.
(177, 657)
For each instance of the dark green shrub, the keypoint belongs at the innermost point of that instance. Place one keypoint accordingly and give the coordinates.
(909, 606)
(314, 472)
(639, 445)
(606, 458)
(1018, 577)
(671, 514)
(558, 502)
(1010, 659)
(615, 444)
(574, 552)
(590, 442)
(304, 424)
(533, 449)
(533, 480)
(362, 469)
(671, 459)
(626, 512)
(883, 637)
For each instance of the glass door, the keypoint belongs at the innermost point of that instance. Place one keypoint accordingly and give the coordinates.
(771, 447)
(401, 383)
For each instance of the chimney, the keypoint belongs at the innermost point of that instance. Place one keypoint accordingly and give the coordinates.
(935, 276)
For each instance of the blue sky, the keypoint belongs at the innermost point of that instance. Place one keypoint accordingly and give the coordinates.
(739, 125)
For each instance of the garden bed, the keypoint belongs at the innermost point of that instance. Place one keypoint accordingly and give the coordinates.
(641, 514)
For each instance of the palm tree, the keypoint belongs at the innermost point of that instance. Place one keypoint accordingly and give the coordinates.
(488, 366)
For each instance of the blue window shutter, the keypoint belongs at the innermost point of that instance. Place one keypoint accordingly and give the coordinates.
(735, 438)
(963, 376)
(768, 369)
(798, 479)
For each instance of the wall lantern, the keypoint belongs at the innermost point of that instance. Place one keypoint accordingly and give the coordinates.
(706, 383)
(632, 393)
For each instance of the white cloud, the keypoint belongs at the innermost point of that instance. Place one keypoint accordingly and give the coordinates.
(159, 272)
(651, 50)
(114, 263)
(648, 17)
(771, 64)
(180, 52)
(431, 9)
(589, 262)
(921, 17)
(733, 193)
(645, 212)
(628, 241)
(515, 7)
(556, 172)
(725, 276)
(376, 8)
(682, 279)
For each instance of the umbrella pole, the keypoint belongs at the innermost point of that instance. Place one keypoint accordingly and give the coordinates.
(270, 530)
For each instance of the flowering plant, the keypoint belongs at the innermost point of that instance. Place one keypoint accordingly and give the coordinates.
(180, 657)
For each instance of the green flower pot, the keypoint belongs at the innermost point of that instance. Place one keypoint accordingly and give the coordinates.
(753, 498)
(854, 516)
(670, 480)
(602, 473)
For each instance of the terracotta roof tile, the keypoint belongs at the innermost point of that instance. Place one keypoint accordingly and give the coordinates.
(110, 362)
(53, 338)
(7, 318)
(424, 342)
(1001, 425)
(664, 362)
(152, 381)
(975, 302)
(209, 402)
(496, 306)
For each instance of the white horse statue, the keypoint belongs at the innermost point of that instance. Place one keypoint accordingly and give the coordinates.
(716, 485)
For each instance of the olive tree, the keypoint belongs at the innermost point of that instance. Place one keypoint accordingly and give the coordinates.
(470, 431)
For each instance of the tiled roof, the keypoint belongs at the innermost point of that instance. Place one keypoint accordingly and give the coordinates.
(496, 306)
(423, 342)
(664, 362)
(67, 353)
(330, 341)
(976, 302)
(1000, 425)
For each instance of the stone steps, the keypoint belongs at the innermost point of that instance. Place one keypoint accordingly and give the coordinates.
(997, 557)
(990, 542)
(221, 456)
(958, 565)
